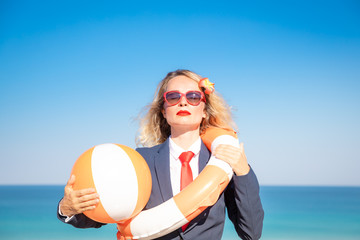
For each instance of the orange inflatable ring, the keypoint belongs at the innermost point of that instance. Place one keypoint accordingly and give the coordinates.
(204, 191)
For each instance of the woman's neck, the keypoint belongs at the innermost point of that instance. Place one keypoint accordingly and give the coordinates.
(184, 138)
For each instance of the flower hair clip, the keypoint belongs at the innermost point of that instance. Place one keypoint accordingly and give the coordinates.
(207, 85)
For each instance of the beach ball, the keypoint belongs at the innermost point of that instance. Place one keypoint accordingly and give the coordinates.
(120, 176)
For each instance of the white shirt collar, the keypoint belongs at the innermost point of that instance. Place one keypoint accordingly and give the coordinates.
(176, 150)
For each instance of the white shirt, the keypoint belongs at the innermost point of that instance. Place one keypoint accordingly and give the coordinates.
(175, 163)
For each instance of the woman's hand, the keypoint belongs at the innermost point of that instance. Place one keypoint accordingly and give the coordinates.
(234, 156)
(77, 201)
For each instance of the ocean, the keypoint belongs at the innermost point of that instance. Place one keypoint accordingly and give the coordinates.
(29, 213)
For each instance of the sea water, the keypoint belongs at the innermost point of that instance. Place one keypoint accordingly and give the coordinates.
(29, 212)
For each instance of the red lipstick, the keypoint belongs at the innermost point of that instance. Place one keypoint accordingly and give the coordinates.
(183, 113)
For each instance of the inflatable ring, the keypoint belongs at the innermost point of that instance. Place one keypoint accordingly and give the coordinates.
(203, 192)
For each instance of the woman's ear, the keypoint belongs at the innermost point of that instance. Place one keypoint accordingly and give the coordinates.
(204, 114)
(163, 112)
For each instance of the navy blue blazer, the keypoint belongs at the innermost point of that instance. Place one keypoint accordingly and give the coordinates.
(241, 199)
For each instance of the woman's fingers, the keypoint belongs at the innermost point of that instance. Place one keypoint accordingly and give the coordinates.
(69, 185)
(78, 201)
(83, 192)
(234, 156)
(84, 197)
(228, 153)
(88, 208)
(86, 205)
(91, 203)
(241, 146)
(71, 180)
(88, 197)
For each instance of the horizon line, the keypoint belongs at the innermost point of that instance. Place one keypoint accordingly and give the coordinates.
(261, 185)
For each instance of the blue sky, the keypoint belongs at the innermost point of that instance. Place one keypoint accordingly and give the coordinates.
(74, 74)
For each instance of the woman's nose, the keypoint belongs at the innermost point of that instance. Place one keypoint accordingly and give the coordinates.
(183, 101)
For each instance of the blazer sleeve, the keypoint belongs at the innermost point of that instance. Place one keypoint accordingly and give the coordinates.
(80, 221)
(244, 206)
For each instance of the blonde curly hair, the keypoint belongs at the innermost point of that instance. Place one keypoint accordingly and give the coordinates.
(154, 128)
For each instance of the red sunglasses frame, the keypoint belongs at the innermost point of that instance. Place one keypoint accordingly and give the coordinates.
(184, 95)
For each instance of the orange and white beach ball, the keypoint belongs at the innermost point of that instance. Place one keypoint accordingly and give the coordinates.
(120, 176)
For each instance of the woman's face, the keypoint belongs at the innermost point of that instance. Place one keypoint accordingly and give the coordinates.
(183, 115)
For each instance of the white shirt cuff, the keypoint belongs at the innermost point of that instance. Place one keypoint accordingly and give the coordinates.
(67, 219)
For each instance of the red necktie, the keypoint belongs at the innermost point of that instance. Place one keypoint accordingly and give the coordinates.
(186, 173)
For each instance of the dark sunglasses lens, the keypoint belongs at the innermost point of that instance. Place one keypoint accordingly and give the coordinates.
(172, 97)
(193, 97)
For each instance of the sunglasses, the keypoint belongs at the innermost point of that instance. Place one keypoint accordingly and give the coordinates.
(192, 97)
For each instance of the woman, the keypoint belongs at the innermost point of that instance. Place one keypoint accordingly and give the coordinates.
(180, 112)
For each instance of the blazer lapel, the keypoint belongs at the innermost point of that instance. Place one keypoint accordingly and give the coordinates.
(203, 157)
(162, 169)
